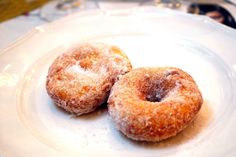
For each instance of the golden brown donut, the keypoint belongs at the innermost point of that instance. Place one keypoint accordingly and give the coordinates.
(80, 80)
(152, 104)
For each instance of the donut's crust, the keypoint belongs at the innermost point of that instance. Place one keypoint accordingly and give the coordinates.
(80, 80)
(133, 103)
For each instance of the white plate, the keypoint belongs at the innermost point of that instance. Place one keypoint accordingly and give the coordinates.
(31, 125)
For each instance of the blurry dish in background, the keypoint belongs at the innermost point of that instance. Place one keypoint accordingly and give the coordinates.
(173, 4)
(59, 8)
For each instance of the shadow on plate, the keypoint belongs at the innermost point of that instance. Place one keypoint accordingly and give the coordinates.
(200, 123)
(100, 111)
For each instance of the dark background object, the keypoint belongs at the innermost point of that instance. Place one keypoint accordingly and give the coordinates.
(206, 9)
(12, 8)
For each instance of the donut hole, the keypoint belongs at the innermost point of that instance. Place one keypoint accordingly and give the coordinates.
(155, 97)
(156, 93)
(156, 89)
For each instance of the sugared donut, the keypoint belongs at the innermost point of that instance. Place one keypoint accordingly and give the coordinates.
(152, 104)
(80, 79)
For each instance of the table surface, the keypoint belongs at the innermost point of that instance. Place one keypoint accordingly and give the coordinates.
(14, 28)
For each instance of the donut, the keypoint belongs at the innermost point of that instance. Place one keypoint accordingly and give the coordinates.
(80, 79)
(154, 103)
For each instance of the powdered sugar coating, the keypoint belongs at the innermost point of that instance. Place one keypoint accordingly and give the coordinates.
(152, 104)
(80, 80)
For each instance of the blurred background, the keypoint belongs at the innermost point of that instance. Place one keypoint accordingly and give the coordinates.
(19, 16)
